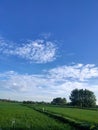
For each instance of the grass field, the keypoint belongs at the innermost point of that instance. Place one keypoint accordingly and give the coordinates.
(75, 113)
(14, 116)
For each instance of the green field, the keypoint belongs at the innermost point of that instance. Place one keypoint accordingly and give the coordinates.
(14, 116)
(84, 115)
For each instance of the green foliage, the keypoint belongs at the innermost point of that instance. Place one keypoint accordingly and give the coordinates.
(83, 98)
(59, 101)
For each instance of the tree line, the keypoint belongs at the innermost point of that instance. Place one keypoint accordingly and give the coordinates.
(78, 97)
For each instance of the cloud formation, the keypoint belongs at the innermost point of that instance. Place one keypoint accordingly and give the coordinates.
(78, 72)
(38, 51)
(55, 82)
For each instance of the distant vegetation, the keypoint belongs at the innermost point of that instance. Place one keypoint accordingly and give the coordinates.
(59, 101)
(78, 97)
(83, 98)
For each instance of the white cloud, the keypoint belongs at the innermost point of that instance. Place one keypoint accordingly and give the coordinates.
(59, 81)
(38, 51)
(76, 72)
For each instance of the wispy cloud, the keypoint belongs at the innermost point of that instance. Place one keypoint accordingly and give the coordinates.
(58, 81)
(38, 51)
(76, 72)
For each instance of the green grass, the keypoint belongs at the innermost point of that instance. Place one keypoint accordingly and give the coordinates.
(15, 116)
(90, 116)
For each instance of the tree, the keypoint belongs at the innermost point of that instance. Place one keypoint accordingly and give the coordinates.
(83, 98)
(59, 101)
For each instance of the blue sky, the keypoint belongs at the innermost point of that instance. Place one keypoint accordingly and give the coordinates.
(48, 48)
